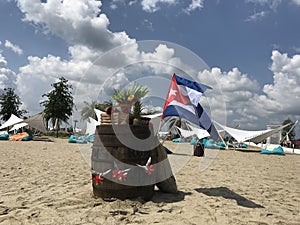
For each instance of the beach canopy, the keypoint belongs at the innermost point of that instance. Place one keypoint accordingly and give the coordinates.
(11, 121)
(152, 116)
(254, 136)
(18, 126)
(200, 133)
(37, 121)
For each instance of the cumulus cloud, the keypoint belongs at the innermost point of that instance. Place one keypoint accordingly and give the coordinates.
(132, 2)
(91, 65)
(285, 91)
(85, 28)
(93, 73)
(243, 103)
(78, 22)
(194, 5)
(36, 77)
(297, 2)
(13, 47)
(7, 76)
(257, 16)
(153, 5)
(230, 95)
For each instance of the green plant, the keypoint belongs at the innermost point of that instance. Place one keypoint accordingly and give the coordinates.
(137, 109)
(130, 95)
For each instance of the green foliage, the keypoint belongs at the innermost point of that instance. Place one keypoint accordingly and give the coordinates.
(10, 104)
(288, 128)
(137, 109)
(59, 104)
(130, 95)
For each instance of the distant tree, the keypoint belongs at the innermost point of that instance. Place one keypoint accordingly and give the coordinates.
(288, 128)
(88, 111)
(10, 104)
(59, 105)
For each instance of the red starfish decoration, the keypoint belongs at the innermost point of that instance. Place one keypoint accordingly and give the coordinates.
(148, 167)
(97, 179)
(120, 175)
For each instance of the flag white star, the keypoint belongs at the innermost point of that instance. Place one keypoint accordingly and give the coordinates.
(172, 92)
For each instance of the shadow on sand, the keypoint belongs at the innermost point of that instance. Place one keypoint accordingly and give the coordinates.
(228, 194)
(159, 197)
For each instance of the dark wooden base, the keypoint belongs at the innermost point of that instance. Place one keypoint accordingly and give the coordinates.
(199, 150)
(109, 189)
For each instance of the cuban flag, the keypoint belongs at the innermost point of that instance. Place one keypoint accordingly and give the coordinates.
(183, 101)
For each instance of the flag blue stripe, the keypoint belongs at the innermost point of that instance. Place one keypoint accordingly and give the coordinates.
(174, 110)
(191, 84)
(200, 118)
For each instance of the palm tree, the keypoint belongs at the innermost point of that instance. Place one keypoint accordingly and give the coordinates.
(88, 111)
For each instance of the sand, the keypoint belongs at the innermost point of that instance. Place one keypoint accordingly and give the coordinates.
(50, 183)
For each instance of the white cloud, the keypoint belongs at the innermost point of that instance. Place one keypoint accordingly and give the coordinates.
(35, 79)
(285, 91)
(14, 48)
(132, 2)
(279, 99)
(230, 95)
(3, 61)
(7, 76)
(114, 4)
(194, 5)
(257, 16)
(91, 72)
(90, 65)
(78, 22)
(297, 2)
(273, 4)
(296, 49)
(152, 5)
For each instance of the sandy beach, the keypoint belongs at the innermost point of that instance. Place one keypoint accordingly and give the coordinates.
(50, 183)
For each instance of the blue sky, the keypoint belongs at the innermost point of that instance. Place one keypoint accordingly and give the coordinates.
(252, 48)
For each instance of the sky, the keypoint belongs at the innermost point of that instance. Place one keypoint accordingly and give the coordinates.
(248, 51)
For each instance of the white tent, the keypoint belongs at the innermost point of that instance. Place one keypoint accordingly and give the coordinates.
(11, 121)
(152, 116)
(18, 126)
(91, 126)
(254, 136)
(201, 133)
